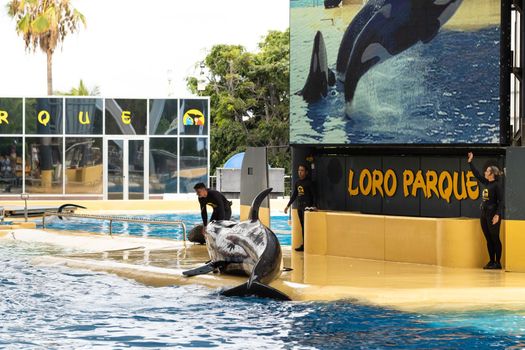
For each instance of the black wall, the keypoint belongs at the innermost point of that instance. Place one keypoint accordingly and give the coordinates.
(515, 184)
(331, 179)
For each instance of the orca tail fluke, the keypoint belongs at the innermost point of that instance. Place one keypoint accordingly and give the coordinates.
(68, 205)
(256, 289)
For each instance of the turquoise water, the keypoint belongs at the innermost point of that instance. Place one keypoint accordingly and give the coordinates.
(279, 225)
(53, 307)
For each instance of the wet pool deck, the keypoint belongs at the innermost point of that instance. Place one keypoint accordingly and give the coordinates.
(409, 287)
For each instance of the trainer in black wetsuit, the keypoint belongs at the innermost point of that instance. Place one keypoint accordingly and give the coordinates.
(221, 206)
(491, 208)
(304, 193)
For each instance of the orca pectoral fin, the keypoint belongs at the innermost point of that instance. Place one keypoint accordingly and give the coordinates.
(201, 270)
(208, 267)
(256, 289)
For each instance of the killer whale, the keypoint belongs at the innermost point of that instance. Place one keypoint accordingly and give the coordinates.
(379, 31)
(319, 76)
(393, 28)
(68, 205)
(328, 4)
(352, 32)
(244, 248)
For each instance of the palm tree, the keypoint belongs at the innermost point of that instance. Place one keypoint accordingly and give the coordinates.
(45, 23)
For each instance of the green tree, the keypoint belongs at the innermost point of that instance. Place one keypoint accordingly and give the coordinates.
(249, 99)
(44, 24)
(80, 90)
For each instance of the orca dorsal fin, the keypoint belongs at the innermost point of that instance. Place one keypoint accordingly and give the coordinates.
(254, 209)
(70, 206)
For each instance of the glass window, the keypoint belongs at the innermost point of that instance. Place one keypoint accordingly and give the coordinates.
(126, 116)
(163, 165)
(136, 169)
(11, 165)
(193, 162)
(115, 169)
(163, 117)
(11, 115)
(44, 116)
(84, 165)
(194, 117)
(43, 165)
(83, 116)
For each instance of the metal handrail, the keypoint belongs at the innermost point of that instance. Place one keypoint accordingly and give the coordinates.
(115, 218)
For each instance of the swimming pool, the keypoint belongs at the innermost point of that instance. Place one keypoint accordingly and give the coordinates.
(55, 307)
(279, 225)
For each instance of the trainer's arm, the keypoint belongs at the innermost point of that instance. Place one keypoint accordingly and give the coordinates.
(475, 170)
(204, 212)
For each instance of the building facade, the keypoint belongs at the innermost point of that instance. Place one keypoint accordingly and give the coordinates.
(103, 148)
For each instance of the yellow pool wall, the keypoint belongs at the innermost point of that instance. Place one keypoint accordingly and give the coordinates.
(450, 242)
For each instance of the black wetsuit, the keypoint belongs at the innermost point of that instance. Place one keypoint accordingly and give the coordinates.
(491, 205)
(221, 207)
(304, 193)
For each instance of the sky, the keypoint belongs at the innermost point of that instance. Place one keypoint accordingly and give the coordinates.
(132, 48)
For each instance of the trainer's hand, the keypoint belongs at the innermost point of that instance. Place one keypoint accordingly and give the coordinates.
(495, 219)
(470, 156)
(286, 210)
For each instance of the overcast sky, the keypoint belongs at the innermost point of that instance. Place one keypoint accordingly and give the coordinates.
(129, 46)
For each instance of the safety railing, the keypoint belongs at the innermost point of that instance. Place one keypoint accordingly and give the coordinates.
(115, 218)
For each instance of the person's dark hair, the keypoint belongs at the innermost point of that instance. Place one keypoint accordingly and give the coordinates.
(199, 185)
(302, 165)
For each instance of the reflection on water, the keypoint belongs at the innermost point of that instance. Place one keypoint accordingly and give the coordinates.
(60, 308)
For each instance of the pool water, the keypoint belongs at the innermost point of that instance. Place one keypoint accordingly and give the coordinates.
(279, 225)
(54, 307)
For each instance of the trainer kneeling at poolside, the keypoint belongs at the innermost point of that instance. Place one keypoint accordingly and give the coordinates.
(221, 206)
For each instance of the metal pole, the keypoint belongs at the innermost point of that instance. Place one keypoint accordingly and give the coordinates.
(25, 196)
(111, 227)
(44, 221)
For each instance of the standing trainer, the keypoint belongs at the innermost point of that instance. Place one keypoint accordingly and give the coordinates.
(304, 193)
(221, 206)
(491, 208)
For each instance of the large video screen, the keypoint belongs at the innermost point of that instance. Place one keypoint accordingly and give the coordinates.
(395, 72)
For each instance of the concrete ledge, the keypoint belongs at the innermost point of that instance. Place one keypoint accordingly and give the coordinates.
(452, 242)
(17, 225)
(364, 236)
(410, 287)
(515, 245)
(411, 240)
